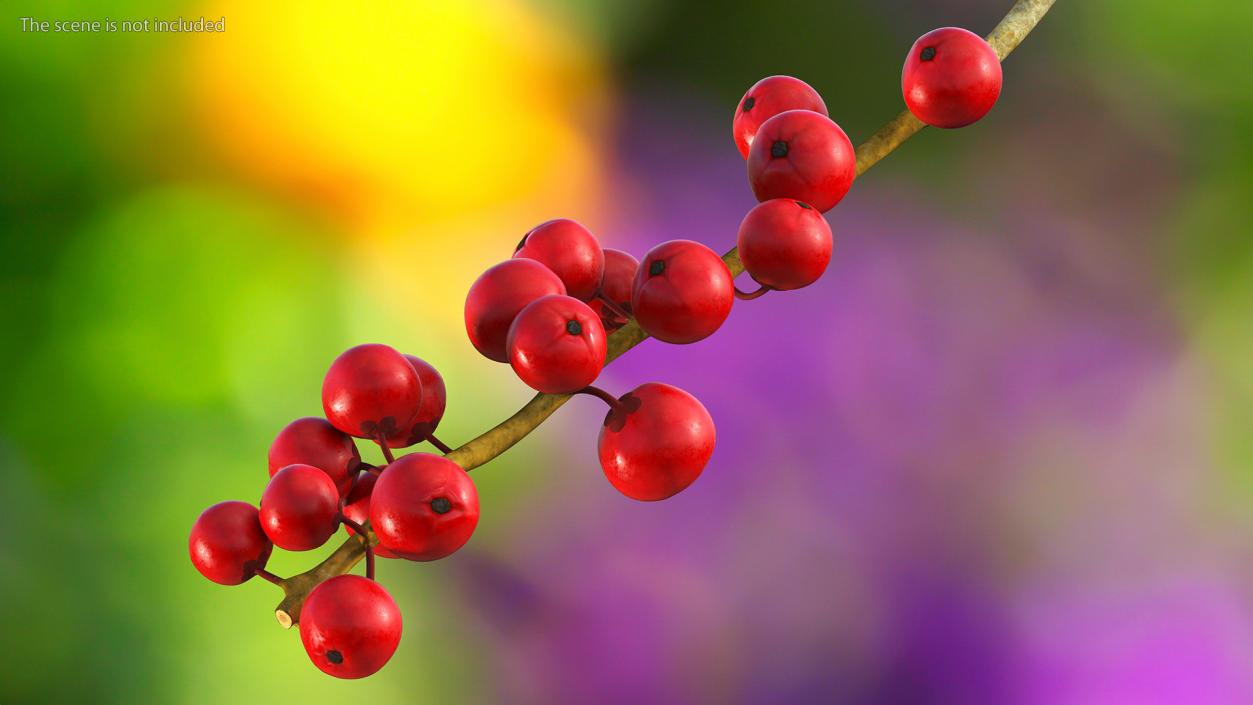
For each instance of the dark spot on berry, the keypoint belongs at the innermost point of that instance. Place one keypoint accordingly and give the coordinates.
(441, 505)
(804, 205)
(657, 267)
(928, 54)
(420, 431)
(749, 102)
(778, 150)
(573, 328)
(334, 657)
(380, 430)
(617, 417)
(522, 242)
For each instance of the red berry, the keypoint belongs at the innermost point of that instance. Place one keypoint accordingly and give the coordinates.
(802, 155)
(557, 345)
(657, 444)
(371, 391)
(424, 507)
(498, 295)
(431, 411)
(769, 97)
(682, 292)
(620, 269)
(314, 441)
(357, 507)
(570, 251)
(350, 626)
(299, 507)
(784, 244)
(227, 544)
(951, 78)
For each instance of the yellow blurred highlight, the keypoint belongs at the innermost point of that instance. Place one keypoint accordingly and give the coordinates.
(395, 113)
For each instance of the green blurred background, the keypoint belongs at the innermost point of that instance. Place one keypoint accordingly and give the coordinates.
(196, 224)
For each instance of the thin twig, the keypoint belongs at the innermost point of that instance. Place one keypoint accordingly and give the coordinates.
(604, 396)
(439, 445)
(750, 295)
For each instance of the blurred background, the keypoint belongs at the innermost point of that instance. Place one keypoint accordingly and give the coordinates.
(1001, 453)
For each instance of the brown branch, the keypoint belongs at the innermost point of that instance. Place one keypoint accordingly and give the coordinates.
(1007, 35)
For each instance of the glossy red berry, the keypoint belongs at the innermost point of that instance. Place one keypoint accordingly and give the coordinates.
(951, 77)
(357, 507)
(657, 444)
(784, 244)
(227, 544)
(299, 508)
(350, 626)
(371, 391)
(620, 269)
(498, 295)
(682, 292)
(802, 155)
(430, 412)
(314, 441)
(769, 97)
(557, 345)
(423, 507)
(570, 250)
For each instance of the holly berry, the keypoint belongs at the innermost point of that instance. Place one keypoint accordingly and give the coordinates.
(350, 626)
(299, 508)
(656, 442)
(430, 412)
(423, 507)
(784, 244)
(314, 441)
(498, 295)
(620, 269)
(570, 250)
(951, 77)
(371, 391)
(802, 155)
(357, 507)
(767, 98)
(227, 544)
(557, 345)
(682, 292)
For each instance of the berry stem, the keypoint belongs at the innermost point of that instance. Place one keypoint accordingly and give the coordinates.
(439, 445)
(369, 550)
(263, 573)
(750, 295)
(1021, 19)
(613, 307)
(387, 452)
(604, 396)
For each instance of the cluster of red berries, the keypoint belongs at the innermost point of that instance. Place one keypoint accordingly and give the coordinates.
(421, 506)
(548, 312)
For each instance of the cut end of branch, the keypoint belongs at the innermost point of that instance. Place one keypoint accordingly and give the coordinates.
(297, 587)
